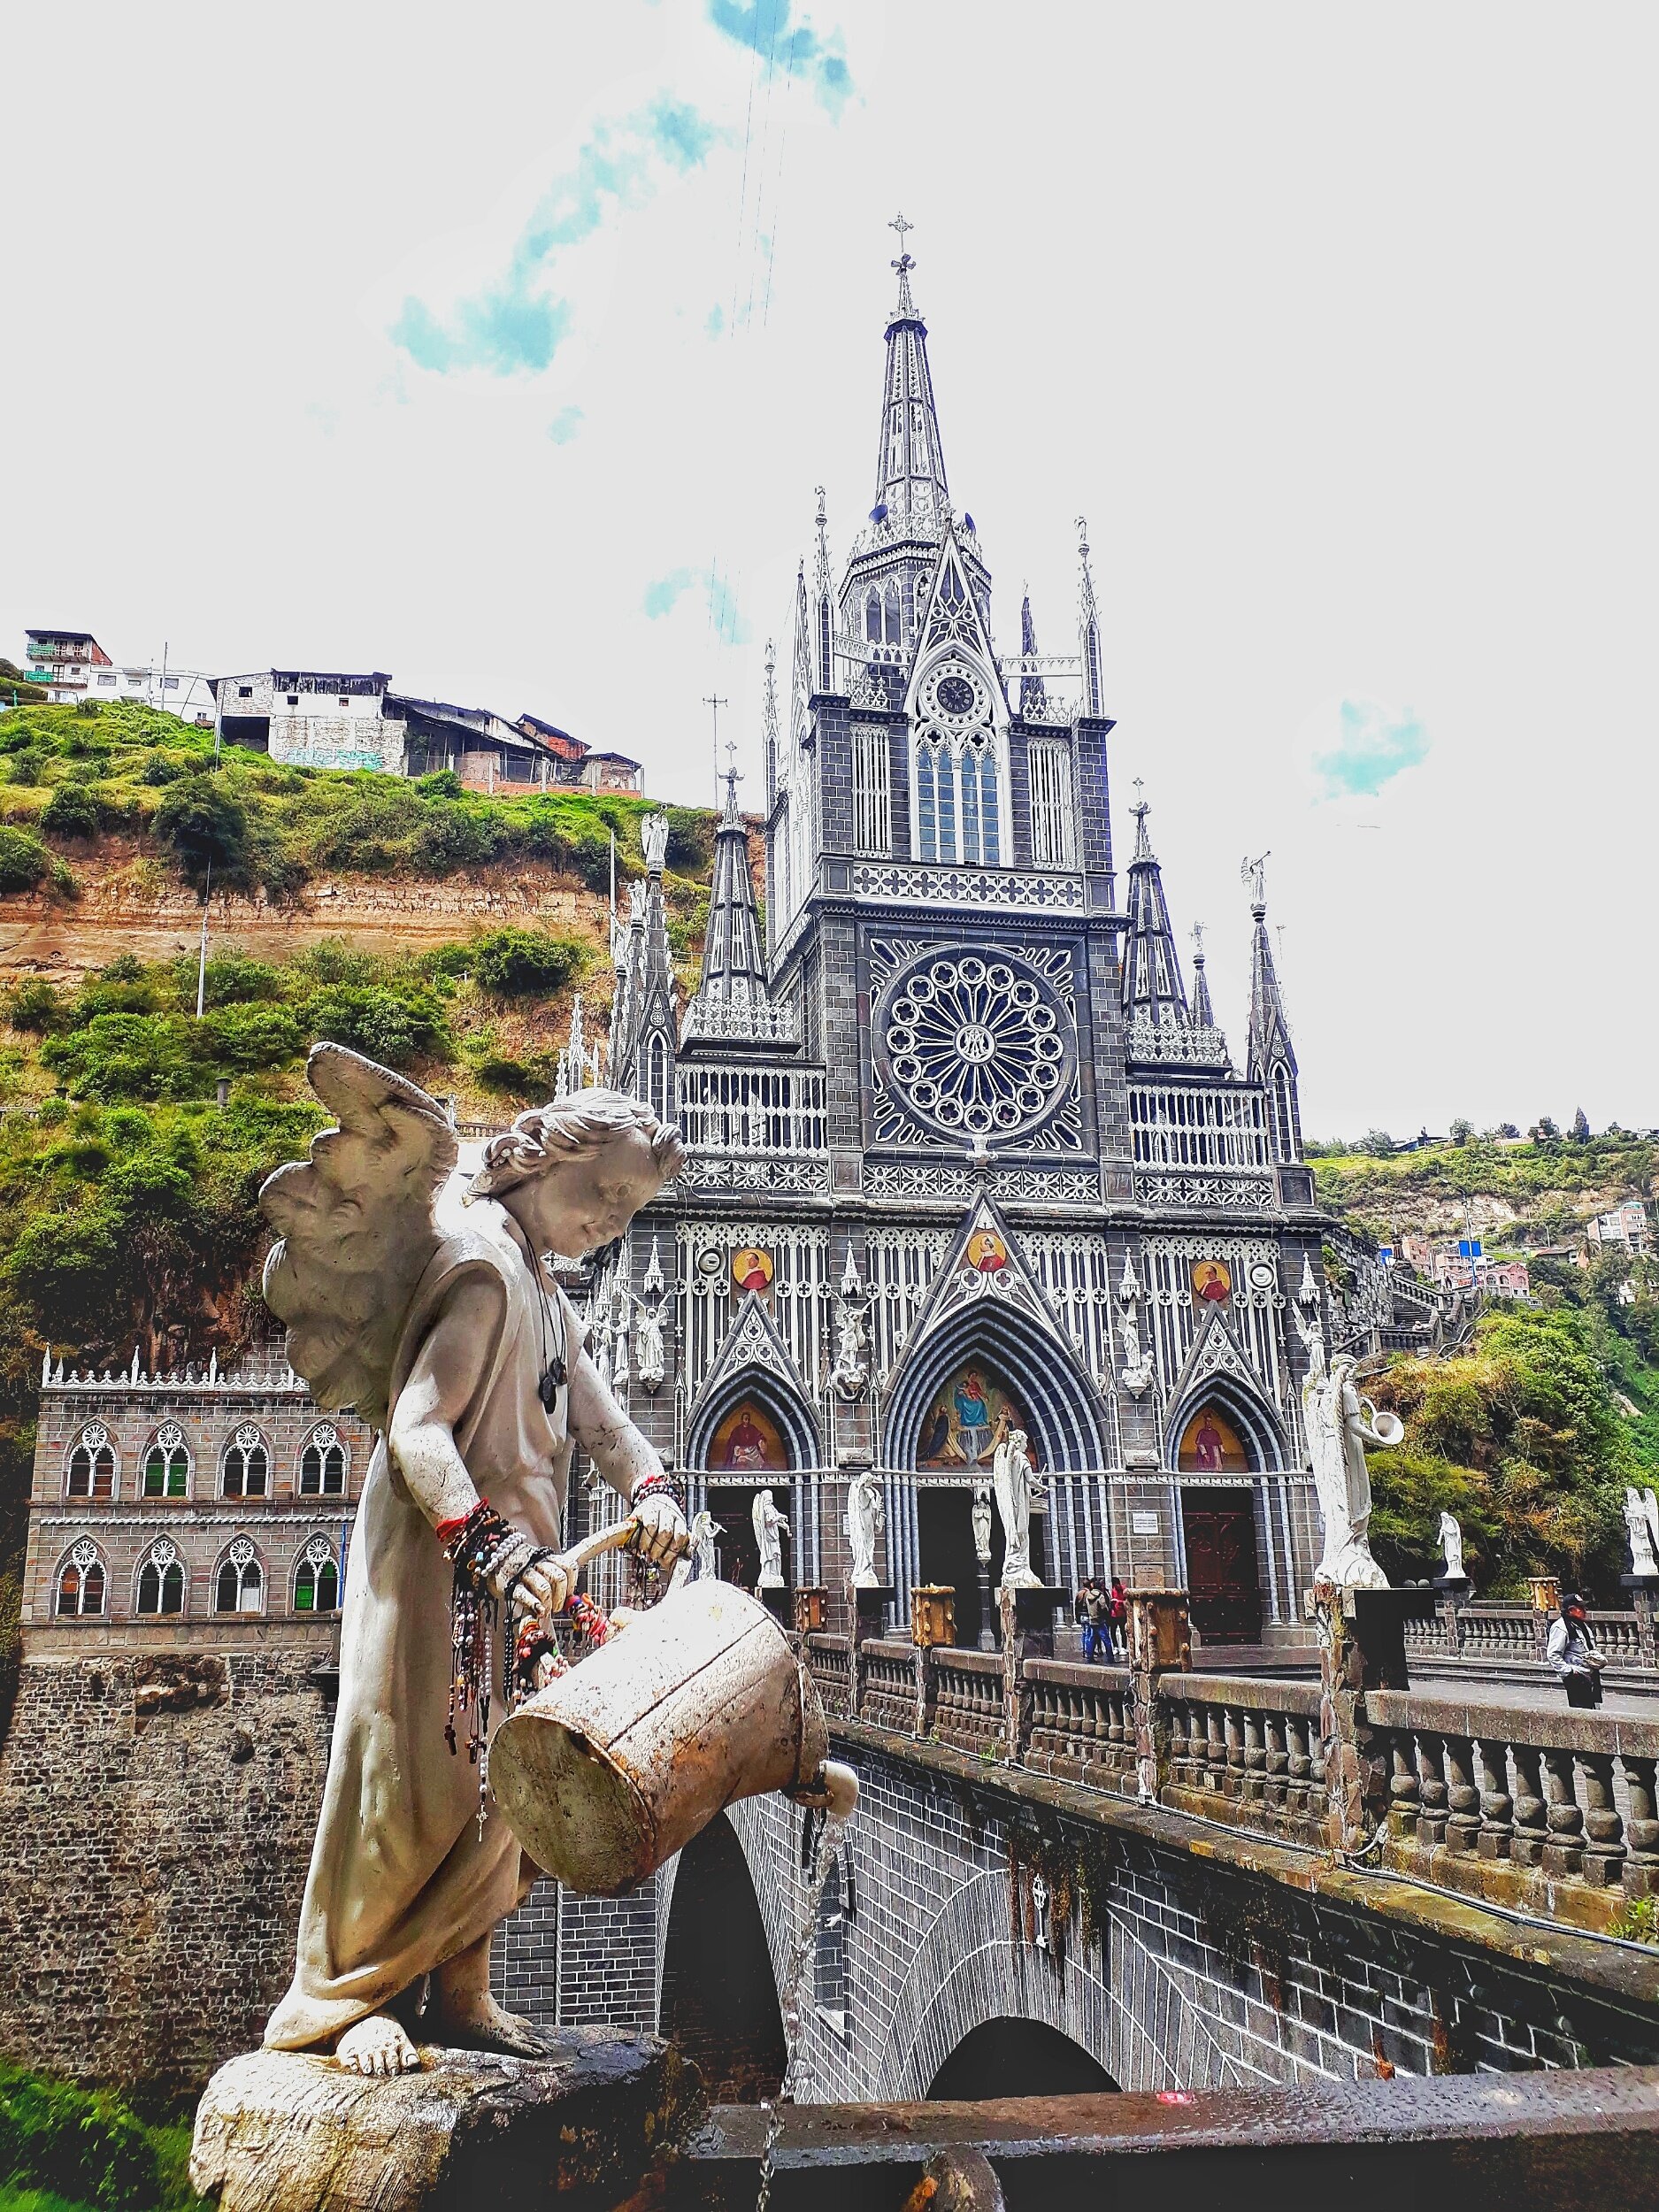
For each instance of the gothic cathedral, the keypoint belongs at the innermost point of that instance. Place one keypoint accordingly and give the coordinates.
(966, 1157)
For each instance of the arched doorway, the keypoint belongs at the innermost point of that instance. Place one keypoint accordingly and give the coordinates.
(969, 1413)
(748, 1447)
(1219, 1526)
(1018, 2058)
(719, 2001)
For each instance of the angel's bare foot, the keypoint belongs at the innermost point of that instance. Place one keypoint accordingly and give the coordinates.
(377, 2045)
(484, 2025)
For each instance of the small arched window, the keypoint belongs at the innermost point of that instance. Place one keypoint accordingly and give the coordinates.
(82, 1584)
(316, 1578)
(323, 1463)
(1284, 1118)
(246, 1464)
(873, 617)
(168, 1463)
(890, 604)
(829, 1962)
(240, 1587)
(658, 1080)
(161, 1579)
(91, 1469)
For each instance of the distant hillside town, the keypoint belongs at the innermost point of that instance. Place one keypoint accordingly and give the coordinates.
(310, 718)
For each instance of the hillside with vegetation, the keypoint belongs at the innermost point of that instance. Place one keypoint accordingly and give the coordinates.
(128, 1211)
(1530, 1435)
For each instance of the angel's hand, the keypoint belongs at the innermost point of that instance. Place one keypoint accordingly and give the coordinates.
(542, 1590)
(663, 1532)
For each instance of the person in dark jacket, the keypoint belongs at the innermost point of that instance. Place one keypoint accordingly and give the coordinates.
(1083, 1618)
(1572, 1654)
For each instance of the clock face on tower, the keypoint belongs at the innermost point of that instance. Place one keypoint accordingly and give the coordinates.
(976, 1045)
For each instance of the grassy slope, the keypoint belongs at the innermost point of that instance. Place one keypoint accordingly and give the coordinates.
(127, 1208)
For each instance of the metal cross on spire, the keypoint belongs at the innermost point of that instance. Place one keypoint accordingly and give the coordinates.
(904, 264)
(733, 776)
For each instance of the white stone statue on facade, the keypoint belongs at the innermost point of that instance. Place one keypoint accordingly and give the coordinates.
(650, 1359)
(851, 1371)
(1641, 1540)
(654, 843)
(704, 1565)
(866, 1516)
(771, 1532)
(980, 1514)
(416, 1296)
(1138, 1370)
(1452, 1545)
(1017, 1489)
(1335, 1418)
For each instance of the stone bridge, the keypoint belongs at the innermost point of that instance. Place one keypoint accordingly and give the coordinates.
(1068, 1918)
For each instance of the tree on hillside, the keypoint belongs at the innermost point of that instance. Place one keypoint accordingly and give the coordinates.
(1522, 1437)
(1462, 1132)
(1545, 1131)
(1378, 1143)
(1581, 1127)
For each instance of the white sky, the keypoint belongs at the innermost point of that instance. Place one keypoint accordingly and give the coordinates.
(1337, 323)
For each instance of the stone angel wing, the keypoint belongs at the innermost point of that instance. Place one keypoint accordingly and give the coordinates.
(356, 1227)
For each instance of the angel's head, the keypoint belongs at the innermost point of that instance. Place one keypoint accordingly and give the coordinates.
(574, 1175)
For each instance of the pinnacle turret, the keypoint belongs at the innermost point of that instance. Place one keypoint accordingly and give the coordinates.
(911, 493)
(1272, 1058)
(1154, 994)
(1033, 697)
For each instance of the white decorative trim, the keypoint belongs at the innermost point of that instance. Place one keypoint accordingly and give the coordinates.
(797, 1178)
(1207, 1194)
(1184, 1043)
(938, 886)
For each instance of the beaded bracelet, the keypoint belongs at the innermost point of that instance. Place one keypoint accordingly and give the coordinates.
(661, 1484)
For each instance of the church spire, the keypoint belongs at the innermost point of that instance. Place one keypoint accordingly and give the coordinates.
(731, 1002)
(769, 720)
(911, 494)
(1203, 1013)
(1033, 697)
(1088, 626)
(1153, 991)
(1272, 1060)
(823, 606)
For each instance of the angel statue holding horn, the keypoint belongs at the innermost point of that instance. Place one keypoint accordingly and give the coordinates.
(422, 1297)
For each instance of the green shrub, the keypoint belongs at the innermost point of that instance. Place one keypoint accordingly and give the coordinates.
(26, 764)
(249, 1037)
(231, 979)
(442, 783)
(205, 824)
(36, 1006)
(70, 812)
(163, 768)
(82, 2145)
(122, 1055)
(453, 837)
(522, 963)
(24, 860)
(690, 840)
(63, 1264)
(387, 1026)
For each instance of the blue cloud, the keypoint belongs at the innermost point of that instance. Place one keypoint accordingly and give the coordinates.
(715, 322)
(565, 424)
(1375, 744)
(665, 594)
(516, 326)
(763, 27)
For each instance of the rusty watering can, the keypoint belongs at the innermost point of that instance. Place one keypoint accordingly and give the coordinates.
(693, 1703)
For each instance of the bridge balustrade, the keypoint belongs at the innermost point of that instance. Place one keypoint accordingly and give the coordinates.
(830, 1663)
(888, 1698)
(1080, 1724)
(1248, 1753)
(1556, 1800)
(967, 1699)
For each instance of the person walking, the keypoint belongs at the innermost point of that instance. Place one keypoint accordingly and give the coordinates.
(1572, 1653)
(1117, 1618)
(1083, 1614)
(1099, 1610)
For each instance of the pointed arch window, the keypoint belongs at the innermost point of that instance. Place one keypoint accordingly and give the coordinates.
(1284, 1115)
(958, 809)
(323, 1463)
(316, 1578)
(926, 801)
(893, 615)
(659, 1079)
(90, 1471)
(247, 1465)
(240, 1585)
(161, 1581)
(168, 1463)
(1052, 836)
(872, 616)
(872, 812)
(82, 1584)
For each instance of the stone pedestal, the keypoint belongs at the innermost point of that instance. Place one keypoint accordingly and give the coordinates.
(780, 1604)
(868, 1609)
(1451, 1594)
(286, 2132)
(1644, 1595)
(1362, 1647)
(987, 1611)
(1027, 1618)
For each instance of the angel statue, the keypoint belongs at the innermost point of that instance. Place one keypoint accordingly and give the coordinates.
(421, 1297)
(1337, 1433)
(866, 1516)
(704, 1536)
(770, 1532)
(1643, 1564)
(1451, 1539)
(1018, 1488)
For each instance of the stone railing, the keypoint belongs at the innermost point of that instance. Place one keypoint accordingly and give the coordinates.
(1504, 1635)
(1246, 1752)
(1548, 1811)
(1528, 1807)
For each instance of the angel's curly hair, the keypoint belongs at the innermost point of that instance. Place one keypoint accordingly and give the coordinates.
(573, 1129)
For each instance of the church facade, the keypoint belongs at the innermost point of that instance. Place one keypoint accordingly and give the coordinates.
(966, 1154)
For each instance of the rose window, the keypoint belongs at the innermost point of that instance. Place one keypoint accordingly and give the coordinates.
(979, 1046)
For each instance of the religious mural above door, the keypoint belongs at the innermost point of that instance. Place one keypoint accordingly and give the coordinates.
(1213, 1284)
(1211, 1446)
(748, 1438)
(967, 1421)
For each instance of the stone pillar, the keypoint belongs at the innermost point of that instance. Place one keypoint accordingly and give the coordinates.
(1453, 1592)
(1356, 1765)
(1644, 1592)
(1027, 1618)
(1546, 1600)
(1160, 1640)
